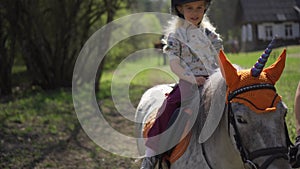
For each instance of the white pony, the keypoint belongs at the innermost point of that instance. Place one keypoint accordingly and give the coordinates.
(233, 129)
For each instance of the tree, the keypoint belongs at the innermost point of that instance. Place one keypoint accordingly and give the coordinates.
(111, 6)
(223, 14)
(8, 16)
(50, 35)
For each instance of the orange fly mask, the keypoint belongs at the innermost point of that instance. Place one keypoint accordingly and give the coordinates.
(254, 87)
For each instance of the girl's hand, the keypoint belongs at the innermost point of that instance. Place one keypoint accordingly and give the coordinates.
(196, 80)
(200, 80)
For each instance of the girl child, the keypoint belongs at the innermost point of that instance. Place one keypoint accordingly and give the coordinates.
(192, 46)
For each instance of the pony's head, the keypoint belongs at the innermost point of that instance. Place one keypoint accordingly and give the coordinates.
(263, 100)
(260, 137)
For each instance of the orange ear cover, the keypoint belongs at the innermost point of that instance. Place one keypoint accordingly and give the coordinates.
(274, 71)
(259, 101)
(229, 72)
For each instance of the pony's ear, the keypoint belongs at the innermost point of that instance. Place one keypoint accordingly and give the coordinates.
(274, 71)
(228, 71)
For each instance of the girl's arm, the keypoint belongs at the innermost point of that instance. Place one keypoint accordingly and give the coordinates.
(179, 71)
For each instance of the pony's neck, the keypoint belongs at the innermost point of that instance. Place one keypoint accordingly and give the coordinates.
(220, 148)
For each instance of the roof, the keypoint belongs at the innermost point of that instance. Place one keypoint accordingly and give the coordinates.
(297, 7)
(298, 3)
(269, 10)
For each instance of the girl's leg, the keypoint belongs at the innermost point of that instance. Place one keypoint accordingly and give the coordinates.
(163, 116)
(183, 92)
(171, 103)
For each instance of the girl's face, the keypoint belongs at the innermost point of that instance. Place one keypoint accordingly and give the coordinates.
(193, 11)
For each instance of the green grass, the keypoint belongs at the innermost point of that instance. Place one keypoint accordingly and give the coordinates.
(33, 123)
(139, 75)
(247, 60)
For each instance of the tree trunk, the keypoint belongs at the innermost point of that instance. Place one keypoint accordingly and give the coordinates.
(110, 16)
(8, 17)
(52, 35)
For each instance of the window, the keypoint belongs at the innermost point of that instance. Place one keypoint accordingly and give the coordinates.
(269, 32)
(288, 31)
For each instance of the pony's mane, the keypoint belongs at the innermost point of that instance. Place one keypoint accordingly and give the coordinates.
(214, 81)
(211, 89)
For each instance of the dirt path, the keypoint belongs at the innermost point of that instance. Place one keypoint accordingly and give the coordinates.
(57, 142)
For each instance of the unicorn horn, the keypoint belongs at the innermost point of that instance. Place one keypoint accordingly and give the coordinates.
(261, 62)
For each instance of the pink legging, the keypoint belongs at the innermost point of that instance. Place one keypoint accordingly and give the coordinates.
(184, 90)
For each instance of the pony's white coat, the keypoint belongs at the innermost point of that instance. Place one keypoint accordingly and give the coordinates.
(211, 129)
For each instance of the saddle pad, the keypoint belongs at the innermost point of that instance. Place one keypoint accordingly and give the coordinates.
(178, 150)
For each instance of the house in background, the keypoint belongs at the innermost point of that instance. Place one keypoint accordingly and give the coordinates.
(261, 20)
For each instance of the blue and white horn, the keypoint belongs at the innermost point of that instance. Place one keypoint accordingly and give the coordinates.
(261, 62)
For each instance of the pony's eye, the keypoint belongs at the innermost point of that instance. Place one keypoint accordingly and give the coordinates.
(241, 120)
